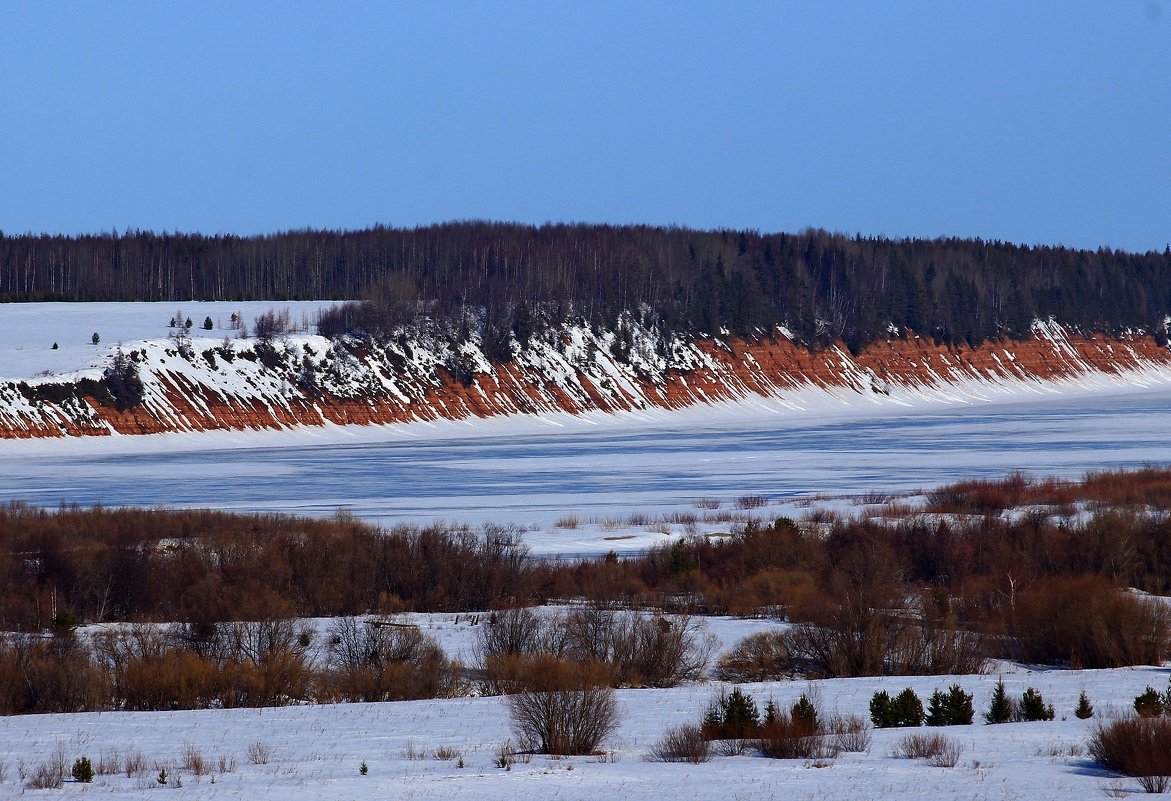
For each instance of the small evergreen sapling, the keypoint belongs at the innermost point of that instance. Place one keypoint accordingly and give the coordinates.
(1149, 703)
(1085, 709)
(1000, 709)
(740, 717)
(908, 708)
(953, 708)
(1033, 706)
(905, 709)
(83, 770)
(805, 713)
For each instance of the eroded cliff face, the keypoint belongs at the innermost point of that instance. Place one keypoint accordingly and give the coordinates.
(210, 385)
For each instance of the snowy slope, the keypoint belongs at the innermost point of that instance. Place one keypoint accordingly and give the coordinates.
(211, 381)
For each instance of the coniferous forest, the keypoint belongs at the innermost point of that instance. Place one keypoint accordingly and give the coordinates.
(508, 277)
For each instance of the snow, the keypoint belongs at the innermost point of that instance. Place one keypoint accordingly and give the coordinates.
(317, 750)
(28, 330)
(626, 478)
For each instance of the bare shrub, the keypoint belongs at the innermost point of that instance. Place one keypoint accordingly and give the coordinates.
(920, 746)
(387, 661)
(655, 651)
(851, 733)
(948, 755)
(46, 776)
(50, 773)
(788, 737)
(226, 763)
(685, 743)
(134, 764)
(568, 521)
(413, 753)
(271, 324)
(763, 656)
(751, 501)
(706, 503)
(565, 721)
(258, 753)
(193, 760)
(1133, 746)
(1155, 784)
(1086, 622)
(446, 753)
(109, 763)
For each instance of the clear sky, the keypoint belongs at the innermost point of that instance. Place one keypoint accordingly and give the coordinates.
(1025, 121)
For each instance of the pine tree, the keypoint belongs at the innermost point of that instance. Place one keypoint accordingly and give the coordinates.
(740, 715)
(882, 710)
(908, 708)
(1084, 708)
(1000, 710)
(1033, 706)
(207, 323)
(805, 713)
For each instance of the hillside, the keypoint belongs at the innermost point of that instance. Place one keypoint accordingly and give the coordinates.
(278, 380)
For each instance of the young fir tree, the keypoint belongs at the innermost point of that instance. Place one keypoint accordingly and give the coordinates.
(740, 715)
(1033, 706)
(908, 709)
(953, 708)
(805, 713)
(1000, 710)
(1084, 709)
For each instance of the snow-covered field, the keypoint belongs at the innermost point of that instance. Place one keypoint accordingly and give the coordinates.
(29, 330)
(316, 751)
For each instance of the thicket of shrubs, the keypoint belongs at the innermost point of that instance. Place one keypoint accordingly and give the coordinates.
(620, 649)
(918, 594)
(264, 663)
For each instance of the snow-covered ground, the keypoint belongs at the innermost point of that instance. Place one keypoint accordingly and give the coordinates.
(316, 751)
(29, 330)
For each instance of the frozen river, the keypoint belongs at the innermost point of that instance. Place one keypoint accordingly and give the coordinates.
(608, 471)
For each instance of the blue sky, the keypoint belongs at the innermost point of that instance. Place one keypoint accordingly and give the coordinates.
(1025, 121)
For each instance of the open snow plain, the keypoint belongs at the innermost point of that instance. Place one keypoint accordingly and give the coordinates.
(314, 752)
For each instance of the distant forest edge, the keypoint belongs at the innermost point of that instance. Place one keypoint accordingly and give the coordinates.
(506, 278)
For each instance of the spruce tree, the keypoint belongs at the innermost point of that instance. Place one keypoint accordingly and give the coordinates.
(1000, 710)
(1033, 706)
(1084, 708)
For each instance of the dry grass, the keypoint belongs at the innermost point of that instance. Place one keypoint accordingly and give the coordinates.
(194, 761)
(446, 753)
(134, 764)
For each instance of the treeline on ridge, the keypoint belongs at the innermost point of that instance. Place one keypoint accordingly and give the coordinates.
(509, 277)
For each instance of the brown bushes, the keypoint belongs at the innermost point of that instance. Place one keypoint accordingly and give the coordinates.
(564, 721)
(789, 736)
(686, 743)
(370, 662)
(631, 649)
(1133, 746)
(763, 656)
(1085, 622)
(939, 750)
